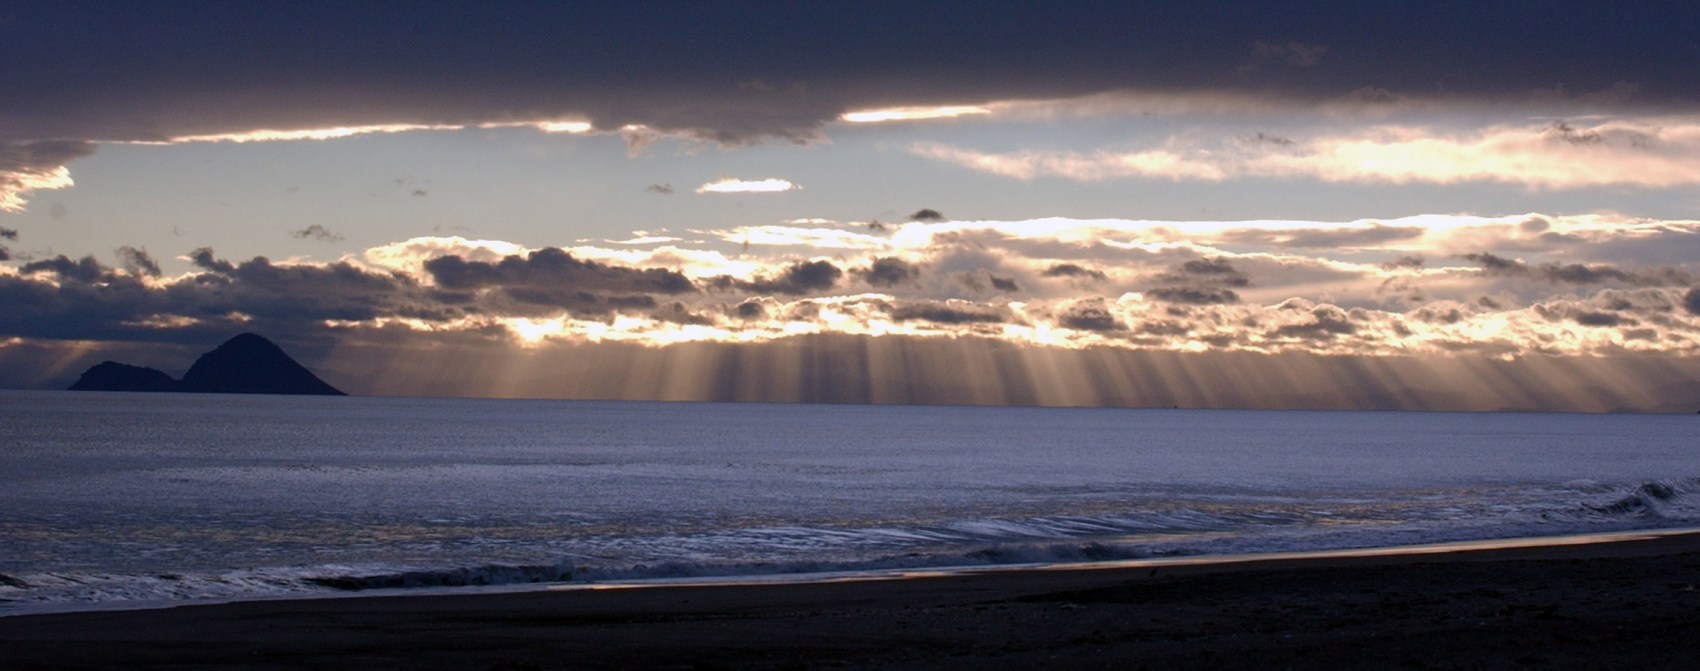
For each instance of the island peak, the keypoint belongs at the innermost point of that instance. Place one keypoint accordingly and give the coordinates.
(245, 364)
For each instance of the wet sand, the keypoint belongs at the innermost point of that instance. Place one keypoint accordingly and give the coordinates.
(1623, 604)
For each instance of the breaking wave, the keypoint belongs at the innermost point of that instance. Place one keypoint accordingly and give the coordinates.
(1160, 529)
(1652, 500)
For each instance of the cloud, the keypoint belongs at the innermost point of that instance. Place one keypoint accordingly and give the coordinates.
(6, 234)
(553, 269)
(913, 113)
(1200, 282)
(1194, 295)
(1576, 273)
(317, 232)
(949, 312)
(1372, 235)
(1094, 167)
(888, 272)
(1291, 53)
(1602, 319)
(1408, 261)
(279, 135)
(1325, 323)
(137, 261)
(646, 238)
(298, 292)
(1044, 284)
(795, 280)
(31, 166)
(926, 214)
(734, 185)
(202, 257)
(823, 237)
(1089, 315)
(659, 189)
(1074, 271)
(737, 76)
(1647, 152)
(85, 270)
(1216, 267)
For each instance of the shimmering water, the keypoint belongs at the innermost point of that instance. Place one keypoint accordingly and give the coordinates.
(112, 499)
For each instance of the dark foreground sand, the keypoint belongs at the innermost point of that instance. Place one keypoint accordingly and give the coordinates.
(1620, 605)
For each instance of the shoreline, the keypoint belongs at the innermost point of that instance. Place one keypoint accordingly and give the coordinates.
(1510, 547)
(1627, 598)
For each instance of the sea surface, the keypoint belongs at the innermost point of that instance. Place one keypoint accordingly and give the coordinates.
(134, 500)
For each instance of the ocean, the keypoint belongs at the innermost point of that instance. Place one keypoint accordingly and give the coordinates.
(114, 500)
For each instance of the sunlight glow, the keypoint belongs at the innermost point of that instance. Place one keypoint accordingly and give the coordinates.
(795, 236)
(1653, 152)
(573, 127)
(734, 185)
(13, 185)
(912, 113)
(531, 332)
(271, 135)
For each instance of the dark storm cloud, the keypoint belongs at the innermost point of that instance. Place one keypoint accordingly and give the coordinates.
(888, 272)
(1200, 282)
(1446, 314)
(72, 309)
(1194, 296)
(317, 232)
(1604, 319)
(137, 261)
(1575, 273)
(1535, 224)
(85, 270)
(1075, 271)
(1322, 238)
(1691, 301)
(259, 287)
(1166, 328)
(678, 313)
(926, 214)
(1326, 322)
(552, 269)
(796, 280)
(40, 155)
(750, 310)
(203, 258)
(1407, 261)
(1004, 284)
(737, 73)
(1089, 316)
(1217, 268)
(90, 301)
(543, 301)
(6, 234)
(953, 312)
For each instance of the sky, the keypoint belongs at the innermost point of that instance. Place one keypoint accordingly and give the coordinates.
(1428, 206)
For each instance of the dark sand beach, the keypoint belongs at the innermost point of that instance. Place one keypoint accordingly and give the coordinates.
(1629, 603)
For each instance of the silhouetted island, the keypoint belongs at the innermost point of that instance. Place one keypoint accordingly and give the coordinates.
(245, 364)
